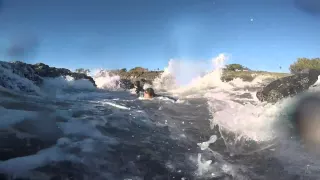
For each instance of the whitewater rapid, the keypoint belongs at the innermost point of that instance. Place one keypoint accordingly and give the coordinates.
(215, 130)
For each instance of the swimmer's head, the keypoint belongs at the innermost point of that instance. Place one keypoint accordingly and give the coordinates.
(149, 93)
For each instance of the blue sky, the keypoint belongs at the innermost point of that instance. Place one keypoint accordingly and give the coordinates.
(260, 34)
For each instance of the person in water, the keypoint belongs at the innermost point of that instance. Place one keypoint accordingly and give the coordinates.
(149, 94)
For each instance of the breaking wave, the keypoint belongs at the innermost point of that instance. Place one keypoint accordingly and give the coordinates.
(105, 80)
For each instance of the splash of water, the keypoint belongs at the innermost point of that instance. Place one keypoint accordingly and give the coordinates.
(181, 76)
(105, 80)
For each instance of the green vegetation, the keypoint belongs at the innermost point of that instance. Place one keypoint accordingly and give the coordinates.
(137, 72)
(304, 63)
(123, 70)
(138, 69)
(82, 71)
(250, 75)
(235, 67)
(230, 72)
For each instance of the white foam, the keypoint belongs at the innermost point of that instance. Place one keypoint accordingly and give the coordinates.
(146, 86)
(203, 166)
(166, 81)
(67, 82)
(78, 127)
(15, 82)
(250, 121)
(205, 145)
(27, 163)
(115, 105)
(163, 98)
(104, 80)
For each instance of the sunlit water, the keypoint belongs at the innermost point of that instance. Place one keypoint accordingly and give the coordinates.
(215, 130)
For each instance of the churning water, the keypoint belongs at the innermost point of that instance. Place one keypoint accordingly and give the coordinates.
(216, 130)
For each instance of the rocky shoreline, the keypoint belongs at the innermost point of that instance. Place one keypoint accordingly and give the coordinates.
(27, 77)
(127, 78)
(147, 76)
(24, 77)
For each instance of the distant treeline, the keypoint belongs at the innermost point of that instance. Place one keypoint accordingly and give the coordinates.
(299, 65)
(236, 67)
(123, 70)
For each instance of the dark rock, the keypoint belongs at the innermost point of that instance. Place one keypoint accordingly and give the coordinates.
(288, 86)
(144, 81)
(128, 78)
(129, 83)
(26, 71)
(126, 84)
(44, 70)
(24, 77)
(12, 76)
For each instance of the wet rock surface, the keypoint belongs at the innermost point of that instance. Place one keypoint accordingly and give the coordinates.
(288, 86)
(25, 77)
(44, 70)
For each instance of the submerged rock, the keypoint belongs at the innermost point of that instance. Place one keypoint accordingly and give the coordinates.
(288, 86)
